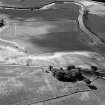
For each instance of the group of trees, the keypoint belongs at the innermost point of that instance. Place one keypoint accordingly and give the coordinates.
(99, 0)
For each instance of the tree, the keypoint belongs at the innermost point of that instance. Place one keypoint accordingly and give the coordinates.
(99, 0)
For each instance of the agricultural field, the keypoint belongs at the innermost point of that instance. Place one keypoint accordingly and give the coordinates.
(32, 40)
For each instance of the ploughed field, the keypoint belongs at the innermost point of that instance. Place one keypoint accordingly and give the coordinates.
(97, 24)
